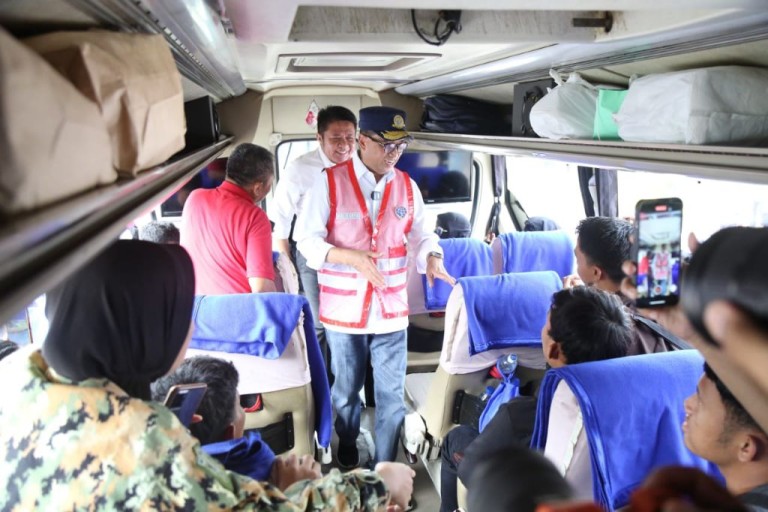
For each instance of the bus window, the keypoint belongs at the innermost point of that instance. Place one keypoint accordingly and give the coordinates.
(708, 205)
(290, 150)
(547, 188)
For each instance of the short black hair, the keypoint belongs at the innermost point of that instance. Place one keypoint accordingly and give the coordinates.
(218, 405)
(515, 478)
(605, 243)
(736, 414)
(7, 347)
(249, 164)
(332, 114)
(160, 233)
(589, 324)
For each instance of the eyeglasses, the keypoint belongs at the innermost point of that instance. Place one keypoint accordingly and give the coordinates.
(390, 147)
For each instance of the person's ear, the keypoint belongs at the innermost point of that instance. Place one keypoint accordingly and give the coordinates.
(554, 352)
(196, 418)
(229, 432)
(751, 447)
(597, 273)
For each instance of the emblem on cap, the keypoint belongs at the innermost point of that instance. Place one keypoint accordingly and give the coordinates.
(398, 122)
(401, 211)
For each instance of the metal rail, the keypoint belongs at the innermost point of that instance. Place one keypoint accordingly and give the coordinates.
(39, 250)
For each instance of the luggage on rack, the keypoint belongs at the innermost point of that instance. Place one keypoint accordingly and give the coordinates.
(446, 113)
(134, 80)
(718, 105)
(53, 140)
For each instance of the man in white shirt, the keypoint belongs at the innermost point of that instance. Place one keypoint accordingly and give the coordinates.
(336, 127)
(362, 220)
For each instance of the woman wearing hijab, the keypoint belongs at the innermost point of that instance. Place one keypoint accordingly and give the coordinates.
(78, 430)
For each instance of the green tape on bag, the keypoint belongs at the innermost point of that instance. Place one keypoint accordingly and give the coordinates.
(608, 103)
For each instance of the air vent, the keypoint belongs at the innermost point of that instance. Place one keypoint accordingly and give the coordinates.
(349, 62)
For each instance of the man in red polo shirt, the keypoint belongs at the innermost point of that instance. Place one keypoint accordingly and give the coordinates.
(228, 237)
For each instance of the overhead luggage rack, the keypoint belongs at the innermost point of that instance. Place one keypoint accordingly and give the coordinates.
(717, 162)
(40, 249)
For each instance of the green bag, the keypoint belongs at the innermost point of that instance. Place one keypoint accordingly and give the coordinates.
(608, 103)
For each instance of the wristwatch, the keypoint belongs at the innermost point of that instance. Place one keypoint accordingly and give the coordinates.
(435, 254)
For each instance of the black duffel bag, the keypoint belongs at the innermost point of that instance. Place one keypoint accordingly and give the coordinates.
(447, 113)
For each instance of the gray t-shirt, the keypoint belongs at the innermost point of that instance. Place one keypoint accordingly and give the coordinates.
(756, 500)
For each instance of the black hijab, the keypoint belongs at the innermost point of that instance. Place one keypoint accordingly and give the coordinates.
(123, 317)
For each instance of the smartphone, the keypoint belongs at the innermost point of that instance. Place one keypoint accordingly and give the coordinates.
(659, 224)
(184, 399)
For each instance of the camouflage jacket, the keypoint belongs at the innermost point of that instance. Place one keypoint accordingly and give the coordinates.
(89, 446)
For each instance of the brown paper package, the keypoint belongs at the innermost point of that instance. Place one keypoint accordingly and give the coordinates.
(53, 140)
(134, 80)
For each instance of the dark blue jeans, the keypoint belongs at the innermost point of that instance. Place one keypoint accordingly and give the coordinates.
(452, 452)
(388, 358)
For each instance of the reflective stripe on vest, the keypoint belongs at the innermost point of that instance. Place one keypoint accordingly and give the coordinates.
(345, 294)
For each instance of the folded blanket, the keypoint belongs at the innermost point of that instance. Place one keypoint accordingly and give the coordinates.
(463, 257)
(507, 310)
(632, 409)
(248, 455)
(261, 324)
(537, 250)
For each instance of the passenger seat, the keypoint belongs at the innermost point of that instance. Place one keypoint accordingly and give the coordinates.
(527, 251)
(463, 257)
(286, 277)
(282, 375)
(608, 424)
(503, 314)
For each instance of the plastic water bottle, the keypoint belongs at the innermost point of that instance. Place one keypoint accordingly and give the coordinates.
(507, 364)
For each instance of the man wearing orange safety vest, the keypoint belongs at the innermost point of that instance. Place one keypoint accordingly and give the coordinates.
(362, 221)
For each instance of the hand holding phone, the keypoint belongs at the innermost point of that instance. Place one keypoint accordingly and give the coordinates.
(184, 399)
(657, 252)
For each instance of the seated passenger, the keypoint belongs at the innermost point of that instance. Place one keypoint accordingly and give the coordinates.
(540, 224)
(79, 429)
(220, 418)
(719, 429)
(160, 233)
(452, 225)
(584, 324)
(536, 480)
(601, 248)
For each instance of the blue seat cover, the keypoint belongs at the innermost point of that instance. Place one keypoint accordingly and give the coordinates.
(537, 250)
(507, 310)
(463, 257)
(633, 410)
(261, 324)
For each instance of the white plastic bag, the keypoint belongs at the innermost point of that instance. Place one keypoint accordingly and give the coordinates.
(720, 105)
(568, 111)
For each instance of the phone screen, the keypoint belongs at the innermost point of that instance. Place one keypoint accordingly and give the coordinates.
(184, 399)
(659, 226)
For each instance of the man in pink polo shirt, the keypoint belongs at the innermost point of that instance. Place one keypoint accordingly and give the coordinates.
(228, 237)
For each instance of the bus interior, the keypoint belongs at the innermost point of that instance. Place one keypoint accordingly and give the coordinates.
(265, 65)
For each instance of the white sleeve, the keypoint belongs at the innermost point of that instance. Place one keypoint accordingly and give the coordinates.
(310, 231)
(287, 195)
(422, 239)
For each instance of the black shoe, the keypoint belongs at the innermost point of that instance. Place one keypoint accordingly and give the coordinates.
(348, 456)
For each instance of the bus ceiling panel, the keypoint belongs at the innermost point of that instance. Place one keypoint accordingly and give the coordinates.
(713, 32)
(198, 34)
(716, 162)
(40, 249)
